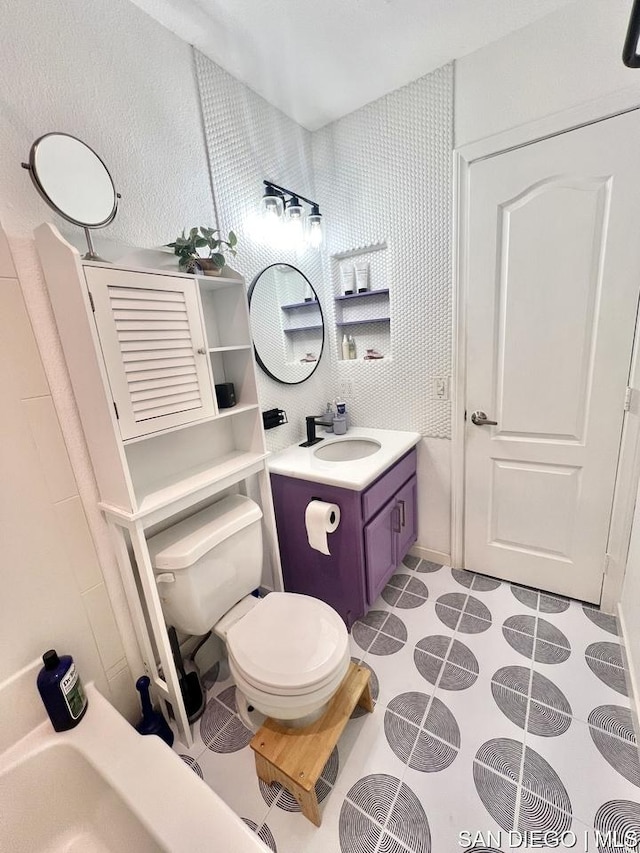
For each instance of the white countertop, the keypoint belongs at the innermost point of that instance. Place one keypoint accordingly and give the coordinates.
(300, 462)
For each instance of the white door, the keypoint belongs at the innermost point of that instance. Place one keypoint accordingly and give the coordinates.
(553, 281)
(154, 348)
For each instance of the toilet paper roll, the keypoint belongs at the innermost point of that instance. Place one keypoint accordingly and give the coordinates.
(321, 518)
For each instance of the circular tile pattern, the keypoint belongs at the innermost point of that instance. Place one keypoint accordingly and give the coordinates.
(535, 637)
(379, 809)
(263, 833)
(427, 567)
(286, 801)
(480, 583)
(602, 620)
(451, 661)
(605, 661)
(427, 744)
(549, 712)
(553, 603)
(380, 633)
(463, 613)
(544, 802)
(612, 732)
(220, 727)
(525, 595)
(193, 764)
(374, 687)
(616, 820)
(405, 591)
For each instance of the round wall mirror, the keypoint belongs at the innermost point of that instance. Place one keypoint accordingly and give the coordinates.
(287, 325)
(74, 181)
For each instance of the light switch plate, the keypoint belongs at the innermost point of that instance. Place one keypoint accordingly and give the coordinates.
(441, 387)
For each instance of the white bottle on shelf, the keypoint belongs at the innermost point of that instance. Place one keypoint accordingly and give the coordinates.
(346, 350)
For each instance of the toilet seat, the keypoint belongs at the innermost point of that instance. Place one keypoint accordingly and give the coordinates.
(289, 645)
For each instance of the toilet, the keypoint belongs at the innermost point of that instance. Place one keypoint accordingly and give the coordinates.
(287, 653)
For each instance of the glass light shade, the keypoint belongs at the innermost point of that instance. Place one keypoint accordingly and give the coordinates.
(295, 224)
(315, 230)
(272, 204)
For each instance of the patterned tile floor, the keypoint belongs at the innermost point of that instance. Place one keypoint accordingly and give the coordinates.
(500, 710)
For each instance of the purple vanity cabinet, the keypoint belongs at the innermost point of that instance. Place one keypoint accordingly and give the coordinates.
(377, 527)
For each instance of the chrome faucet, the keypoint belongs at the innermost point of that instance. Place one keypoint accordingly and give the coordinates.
(312, 421)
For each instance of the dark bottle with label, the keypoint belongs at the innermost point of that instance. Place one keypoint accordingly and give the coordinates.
(61, 690)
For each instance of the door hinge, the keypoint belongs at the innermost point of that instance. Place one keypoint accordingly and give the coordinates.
(607, 563)
(93, 306)
(116, 410)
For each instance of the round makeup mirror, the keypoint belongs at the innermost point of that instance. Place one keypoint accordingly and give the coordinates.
(74, 181)
(287, 325)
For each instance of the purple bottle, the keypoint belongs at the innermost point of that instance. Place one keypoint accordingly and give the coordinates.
(61, 691)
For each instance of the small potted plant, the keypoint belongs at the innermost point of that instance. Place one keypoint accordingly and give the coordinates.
(187, 247)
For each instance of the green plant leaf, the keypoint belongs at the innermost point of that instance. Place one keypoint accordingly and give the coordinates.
(218, 260)
(200, 242)
(232, 239)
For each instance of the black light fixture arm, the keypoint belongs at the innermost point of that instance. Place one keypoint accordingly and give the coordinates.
(285, 191)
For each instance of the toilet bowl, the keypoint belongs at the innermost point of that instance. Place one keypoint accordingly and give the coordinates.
(288, 653)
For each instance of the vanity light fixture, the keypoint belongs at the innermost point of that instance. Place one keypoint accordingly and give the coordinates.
(283, 211)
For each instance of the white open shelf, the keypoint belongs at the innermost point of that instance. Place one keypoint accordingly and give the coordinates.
(231, 349)
(164, 491)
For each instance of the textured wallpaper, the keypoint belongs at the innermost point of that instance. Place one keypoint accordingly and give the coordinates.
(381, 174)
(248, 141)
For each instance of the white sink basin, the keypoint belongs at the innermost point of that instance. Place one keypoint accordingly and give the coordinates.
(352, 461)
(347, 449)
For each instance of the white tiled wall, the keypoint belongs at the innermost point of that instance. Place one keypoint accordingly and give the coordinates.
(53, 592)
(382, 173)
(250, 141)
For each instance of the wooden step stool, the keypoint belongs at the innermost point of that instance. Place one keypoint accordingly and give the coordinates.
(296, 757)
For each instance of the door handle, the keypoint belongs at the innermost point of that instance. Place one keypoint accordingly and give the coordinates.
(480, 419)
(402, 516)
(397, 529)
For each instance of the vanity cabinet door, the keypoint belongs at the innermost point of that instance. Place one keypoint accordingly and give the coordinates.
(154, 349)
(380, 548)
(406, 500)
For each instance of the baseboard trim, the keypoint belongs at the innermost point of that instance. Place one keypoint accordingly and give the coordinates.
(432, 556)
(630, 671)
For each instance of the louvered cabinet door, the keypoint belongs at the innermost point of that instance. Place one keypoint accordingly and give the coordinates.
(154, 348)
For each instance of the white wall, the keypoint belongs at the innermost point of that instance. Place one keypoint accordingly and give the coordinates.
(250, 141)
(567, 58)
(114, 77)
(383, 173)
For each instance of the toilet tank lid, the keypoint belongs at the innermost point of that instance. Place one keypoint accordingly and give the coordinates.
(183, 544)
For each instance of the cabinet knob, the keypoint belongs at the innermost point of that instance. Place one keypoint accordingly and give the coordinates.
(201, 351)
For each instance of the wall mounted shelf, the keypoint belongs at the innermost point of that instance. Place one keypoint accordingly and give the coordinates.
(363, 322)
(346, 296)
(303, 329)
(312, 303)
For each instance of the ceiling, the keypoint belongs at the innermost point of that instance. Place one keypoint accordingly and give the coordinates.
(317, 60)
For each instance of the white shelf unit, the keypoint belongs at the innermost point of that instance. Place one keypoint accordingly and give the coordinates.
(144, 349)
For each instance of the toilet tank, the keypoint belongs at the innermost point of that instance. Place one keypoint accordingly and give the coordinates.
(205, 564)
